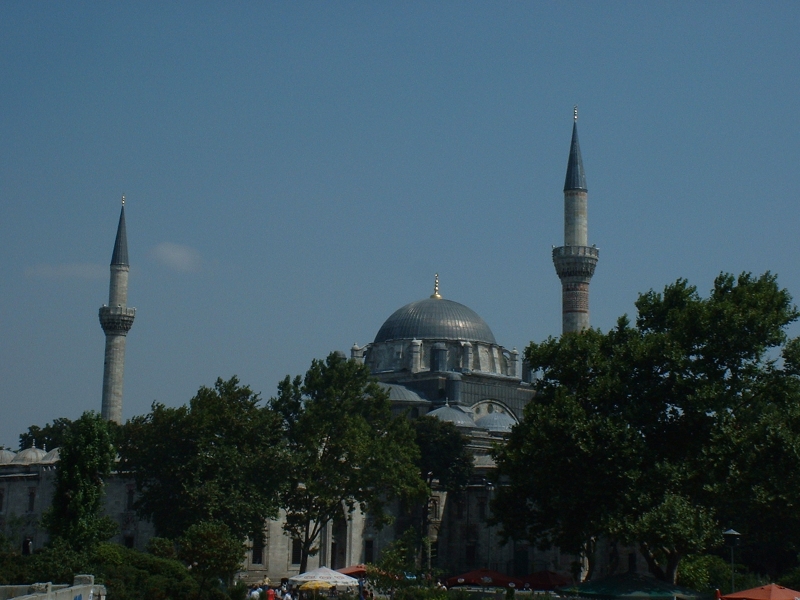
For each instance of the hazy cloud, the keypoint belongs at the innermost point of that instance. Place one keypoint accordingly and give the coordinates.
(177, 257)
(67, 271)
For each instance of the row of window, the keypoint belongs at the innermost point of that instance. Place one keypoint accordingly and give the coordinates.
(257, 556)
(31, 499)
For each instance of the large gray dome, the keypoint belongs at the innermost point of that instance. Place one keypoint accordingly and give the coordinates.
(435, 319)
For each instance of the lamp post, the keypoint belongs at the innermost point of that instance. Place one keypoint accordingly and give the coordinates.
(731, 539)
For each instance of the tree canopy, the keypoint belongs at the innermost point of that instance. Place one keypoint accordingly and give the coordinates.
(665, 432)
(211, 551)
(86, 458)
(345, 448)
(443, 454)
(445, 464)
(216, 459)
(51, 436)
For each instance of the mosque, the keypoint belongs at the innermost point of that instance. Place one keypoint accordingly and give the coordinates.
(434, 356)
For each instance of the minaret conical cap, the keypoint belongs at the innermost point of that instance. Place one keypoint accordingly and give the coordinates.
(576, 179)
(120, 255)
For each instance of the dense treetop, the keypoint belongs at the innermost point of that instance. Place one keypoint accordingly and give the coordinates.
(86, 458)
(665, 432)
(344, 446)
(217, 459)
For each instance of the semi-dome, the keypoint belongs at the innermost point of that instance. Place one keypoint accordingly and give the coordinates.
(498, 422)
(435, 318)
(399, 393)
(52, 457)
(29, 456)
(453, 415)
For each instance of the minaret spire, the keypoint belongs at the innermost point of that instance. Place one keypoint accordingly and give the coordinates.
(116, 320)
(575, 261)
(120, 254)
(576, 178)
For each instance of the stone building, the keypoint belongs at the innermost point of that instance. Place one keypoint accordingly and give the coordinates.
(434, 356)
(27, 484)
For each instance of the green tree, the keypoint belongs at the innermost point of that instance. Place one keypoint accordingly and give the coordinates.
(212, 552)
(659, 433)
(443, 457)
(51, 436)
(216, 459)
(345, 448)
(86, 458)
(444, 463)
(396, 560)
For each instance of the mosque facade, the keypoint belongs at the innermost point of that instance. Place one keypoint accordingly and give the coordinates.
(434, 356)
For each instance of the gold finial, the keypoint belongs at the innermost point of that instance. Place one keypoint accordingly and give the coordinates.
(575, 113)
(436, 293)
(123, 199)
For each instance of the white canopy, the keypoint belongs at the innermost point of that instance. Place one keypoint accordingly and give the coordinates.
(324, 574)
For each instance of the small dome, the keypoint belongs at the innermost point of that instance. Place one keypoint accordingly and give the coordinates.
(456, 416)
(499, 422)
(435, 319)
(398, 393)
(53, 456)
(6, 456)
(29, 456)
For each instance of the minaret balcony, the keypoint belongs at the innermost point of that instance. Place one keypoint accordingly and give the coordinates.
(575, 261)
(592, 251)
(117, 319)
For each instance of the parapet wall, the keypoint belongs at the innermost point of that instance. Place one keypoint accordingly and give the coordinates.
(83, 588)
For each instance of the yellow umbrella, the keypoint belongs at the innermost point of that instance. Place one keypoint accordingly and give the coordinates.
(317, 585)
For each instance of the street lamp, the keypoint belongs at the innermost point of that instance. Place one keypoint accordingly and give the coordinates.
(731, 539)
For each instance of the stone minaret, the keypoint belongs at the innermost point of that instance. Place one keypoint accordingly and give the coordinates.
(575, 261)
(116, 320)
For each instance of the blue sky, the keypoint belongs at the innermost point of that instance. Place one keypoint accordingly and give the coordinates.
(295, 172)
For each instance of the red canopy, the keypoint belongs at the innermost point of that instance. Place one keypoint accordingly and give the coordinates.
(357, 571)
(485, 577)
(765, 592)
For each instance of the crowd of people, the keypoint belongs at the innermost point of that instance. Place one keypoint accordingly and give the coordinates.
(286, 592)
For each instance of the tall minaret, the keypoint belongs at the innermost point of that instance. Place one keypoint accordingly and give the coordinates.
(116, 320)
(575, 261)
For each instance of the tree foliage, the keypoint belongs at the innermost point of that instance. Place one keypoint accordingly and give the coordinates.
(51, 436)
(707, 573)
(126, 573)
(86, 458)
(443, 454)
(663, 433)
(216, 459)
(345, 448)
(211, 551)
(397, 561)
(445, 463)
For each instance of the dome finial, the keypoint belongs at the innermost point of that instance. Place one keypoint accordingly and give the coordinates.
(575, 113)
(436, 293)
